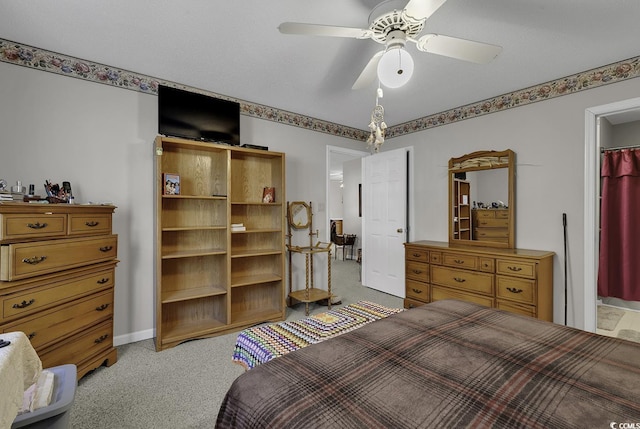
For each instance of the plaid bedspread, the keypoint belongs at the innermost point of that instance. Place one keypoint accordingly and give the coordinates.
(448, 364)
(263, 343)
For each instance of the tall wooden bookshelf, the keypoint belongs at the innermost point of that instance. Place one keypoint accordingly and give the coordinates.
(210, 279)
(461, 210)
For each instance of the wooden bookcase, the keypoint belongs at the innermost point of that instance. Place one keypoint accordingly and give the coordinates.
(461, 210)
(211, 280)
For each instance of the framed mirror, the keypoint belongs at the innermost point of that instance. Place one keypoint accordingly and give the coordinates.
(482, 199)
(299, 215)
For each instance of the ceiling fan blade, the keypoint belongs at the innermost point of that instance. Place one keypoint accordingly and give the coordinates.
(462, 49)
(369, 73)
(419, 10)
(323, 30)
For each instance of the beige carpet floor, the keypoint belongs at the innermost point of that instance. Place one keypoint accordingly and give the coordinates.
(183, 387)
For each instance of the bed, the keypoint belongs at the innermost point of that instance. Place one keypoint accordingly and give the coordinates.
(445, 364)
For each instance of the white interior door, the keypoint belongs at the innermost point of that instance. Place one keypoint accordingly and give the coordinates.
(384, 197)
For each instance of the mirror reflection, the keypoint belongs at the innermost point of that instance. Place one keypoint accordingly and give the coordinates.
(491, 188)
(481, 196)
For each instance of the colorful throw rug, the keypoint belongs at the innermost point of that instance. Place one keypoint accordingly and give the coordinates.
(262, 343)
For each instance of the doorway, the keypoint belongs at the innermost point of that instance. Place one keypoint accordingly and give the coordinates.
(342, 190)
(619, 112)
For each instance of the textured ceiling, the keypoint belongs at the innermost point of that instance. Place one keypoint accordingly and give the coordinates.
(233, 48)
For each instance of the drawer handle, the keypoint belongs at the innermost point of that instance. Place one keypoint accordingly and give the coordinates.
(102, 307)
(483, 223)
(31, 335)
(101, 339)
(514, 290)
(416, 255)
(102, 281)
(106, 248)
(92, 223)
(516, 269)
(459, 280)
(24, 304)
(37, 225)
(35, 260)
(458, 261)
(416, 290)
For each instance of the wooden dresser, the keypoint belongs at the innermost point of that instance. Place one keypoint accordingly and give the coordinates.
(516, 280)
(491, 225)
(57, 267)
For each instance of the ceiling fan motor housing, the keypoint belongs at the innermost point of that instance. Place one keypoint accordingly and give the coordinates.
(386, 20)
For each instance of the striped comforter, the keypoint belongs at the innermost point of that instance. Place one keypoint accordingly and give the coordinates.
(448, 364)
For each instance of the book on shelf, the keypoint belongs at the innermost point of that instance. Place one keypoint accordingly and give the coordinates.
(236, 227)
(11, 196)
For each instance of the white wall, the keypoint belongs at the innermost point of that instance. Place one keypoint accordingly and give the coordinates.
(335, 200)
(627, 134)
(352, 223)
(100, 138)
(549, 142)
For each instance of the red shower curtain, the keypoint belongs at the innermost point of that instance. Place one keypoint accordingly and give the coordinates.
(619, 267)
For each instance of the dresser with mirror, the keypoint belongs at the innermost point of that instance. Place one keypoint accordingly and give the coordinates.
(480, 262)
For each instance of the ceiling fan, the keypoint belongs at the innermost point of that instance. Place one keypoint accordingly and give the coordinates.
(392, 25)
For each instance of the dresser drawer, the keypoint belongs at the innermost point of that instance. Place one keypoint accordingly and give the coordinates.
(28, 302)
(461, 279)
(485, 233)
(492, 223)
(51, 326)
(515, 289)
(485, 214)
(80, 347)
(25, 226)
(21, 260)
(417, 291)
(516, 268)
(416, 254)
(460, 260)
(439, 293)
(417, 271)
(487, 264)
(512, 307)
(412, 303)
(86, 224)
(492, 214)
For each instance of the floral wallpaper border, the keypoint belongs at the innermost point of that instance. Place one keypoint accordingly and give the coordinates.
(40, 59)
(593, 78)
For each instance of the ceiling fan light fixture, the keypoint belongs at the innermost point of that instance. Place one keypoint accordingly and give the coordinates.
(395, 67)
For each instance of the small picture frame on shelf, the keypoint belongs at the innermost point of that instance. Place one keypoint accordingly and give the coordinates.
(170, 184)
(269, 195)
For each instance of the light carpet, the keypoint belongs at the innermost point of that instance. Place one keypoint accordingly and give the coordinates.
(183, 387)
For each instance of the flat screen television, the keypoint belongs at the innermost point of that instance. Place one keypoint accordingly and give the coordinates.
(196, 116)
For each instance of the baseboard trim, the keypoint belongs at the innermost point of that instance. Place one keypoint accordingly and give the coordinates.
(133, 337)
